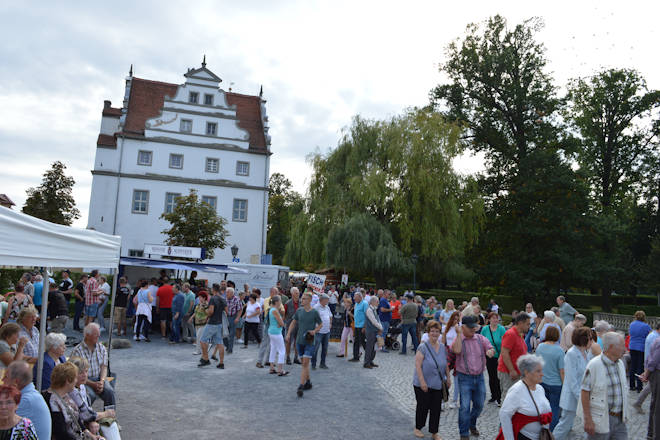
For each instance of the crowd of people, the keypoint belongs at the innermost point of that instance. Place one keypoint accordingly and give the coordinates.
(544, 370)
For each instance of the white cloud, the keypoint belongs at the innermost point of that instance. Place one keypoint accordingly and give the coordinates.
(320, 64)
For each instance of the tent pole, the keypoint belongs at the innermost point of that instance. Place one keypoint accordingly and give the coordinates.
(42, 327)
(112, 313)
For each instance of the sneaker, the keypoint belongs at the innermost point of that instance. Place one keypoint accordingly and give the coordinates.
(499, 403)
(214, 357)
(474, 431)
(221, 366)
(491, 400)
(203, 363)
(323, 367)
(299, 392)
(196, 353)
(307, 386)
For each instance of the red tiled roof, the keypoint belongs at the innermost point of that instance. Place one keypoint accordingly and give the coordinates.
(248, 112)
(147, 100)
(106, 140)
(112, 112)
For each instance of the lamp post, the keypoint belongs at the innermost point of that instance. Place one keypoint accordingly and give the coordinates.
(414, 259)
(234, 251)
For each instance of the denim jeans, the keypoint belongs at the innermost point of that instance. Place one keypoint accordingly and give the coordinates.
(101, 310)
(176, 330)
(231, 329)
(386, 328)
(80, 306)
(405, 329)
(320, 340)
(636, 367)
(473, 390)
(528, 339)
(552, 393)
(565, 425)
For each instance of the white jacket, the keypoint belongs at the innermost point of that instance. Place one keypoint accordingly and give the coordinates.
(598, 396)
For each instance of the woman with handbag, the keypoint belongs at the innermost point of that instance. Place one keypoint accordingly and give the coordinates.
(526, 413)
(431, 381)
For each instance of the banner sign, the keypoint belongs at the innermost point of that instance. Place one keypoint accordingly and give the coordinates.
(316, 282)
(174, 251)
(344, 279)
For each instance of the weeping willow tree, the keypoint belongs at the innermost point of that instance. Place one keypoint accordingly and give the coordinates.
(397, 173)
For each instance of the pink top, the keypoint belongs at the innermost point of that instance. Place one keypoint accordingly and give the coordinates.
(473, 353)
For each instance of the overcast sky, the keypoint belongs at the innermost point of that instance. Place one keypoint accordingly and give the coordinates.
(320, 63)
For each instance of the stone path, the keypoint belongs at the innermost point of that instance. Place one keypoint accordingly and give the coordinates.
(163, 395)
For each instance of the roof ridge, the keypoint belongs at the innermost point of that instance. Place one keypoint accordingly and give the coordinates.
(156, 82)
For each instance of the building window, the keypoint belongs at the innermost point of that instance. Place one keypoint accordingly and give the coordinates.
(240, 210)
(170, 201)
(140, 201)
(144, 158)
(193, 98)
(242, 168)
(210, 200)
(208, 99)
(176, 161)
(212, 165)
(135, 253)
(211, 128)
(186, 125)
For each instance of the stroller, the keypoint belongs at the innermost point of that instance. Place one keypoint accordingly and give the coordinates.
(392, 337)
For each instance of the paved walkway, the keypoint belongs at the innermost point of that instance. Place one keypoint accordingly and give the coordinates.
(163, 395)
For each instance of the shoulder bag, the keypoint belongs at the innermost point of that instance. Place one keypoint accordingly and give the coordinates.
(445, 388)
(545, 434)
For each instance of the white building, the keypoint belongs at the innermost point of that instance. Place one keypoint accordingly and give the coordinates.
(167, 139)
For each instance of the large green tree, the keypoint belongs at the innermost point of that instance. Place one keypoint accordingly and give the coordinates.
(611, 114)
(52, 200)
(500, 91)
(195, 223)
(283, 206)
(398, 171)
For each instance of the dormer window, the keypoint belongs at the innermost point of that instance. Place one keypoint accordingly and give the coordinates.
(208, 99)
(193, 98)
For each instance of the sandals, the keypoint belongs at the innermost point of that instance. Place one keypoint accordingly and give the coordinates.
(283, 373)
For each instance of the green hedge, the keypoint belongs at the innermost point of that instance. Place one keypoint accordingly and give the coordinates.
(631, 309)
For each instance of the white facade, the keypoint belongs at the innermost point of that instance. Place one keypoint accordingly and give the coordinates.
(188, 145)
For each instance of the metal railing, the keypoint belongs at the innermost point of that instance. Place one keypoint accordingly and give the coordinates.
(622, 322)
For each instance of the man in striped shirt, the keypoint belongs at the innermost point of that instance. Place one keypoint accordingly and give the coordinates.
(92, 293)
(97, 356)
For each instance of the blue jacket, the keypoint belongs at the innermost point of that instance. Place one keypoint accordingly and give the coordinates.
(49, 365)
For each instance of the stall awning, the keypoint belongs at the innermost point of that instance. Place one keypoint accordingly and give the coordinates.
(29, 241)
(180, 265)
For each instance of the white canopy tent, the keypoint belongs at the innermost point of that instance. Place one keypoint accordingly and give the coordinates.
(29, 241)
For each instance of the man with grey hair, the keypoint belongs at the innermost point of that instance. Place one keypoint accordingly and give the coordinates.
(373, 327)
(32, 404)
(97, 356)
(234, 309)
(469, 310)
(604, 382)
(28, 287)
(566, 340)
(566, 311)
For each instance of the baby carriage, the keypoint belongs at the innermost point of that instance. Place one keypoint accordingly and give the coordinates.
(392, 337)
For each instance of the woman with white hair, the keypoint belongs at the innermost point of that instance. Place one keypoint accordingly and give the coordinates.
(525, 410)
(54, 355)
(547, 322)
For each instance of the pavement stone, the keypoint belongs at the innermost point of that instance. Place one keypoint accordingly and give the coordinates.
(162, 394)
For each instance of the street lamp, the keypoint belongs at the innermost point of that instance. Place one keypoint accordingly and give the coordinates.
(234, 250)
(414, 259)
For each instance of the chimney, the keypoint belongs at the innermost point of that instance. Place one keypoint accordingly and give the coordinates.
(106, 104)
